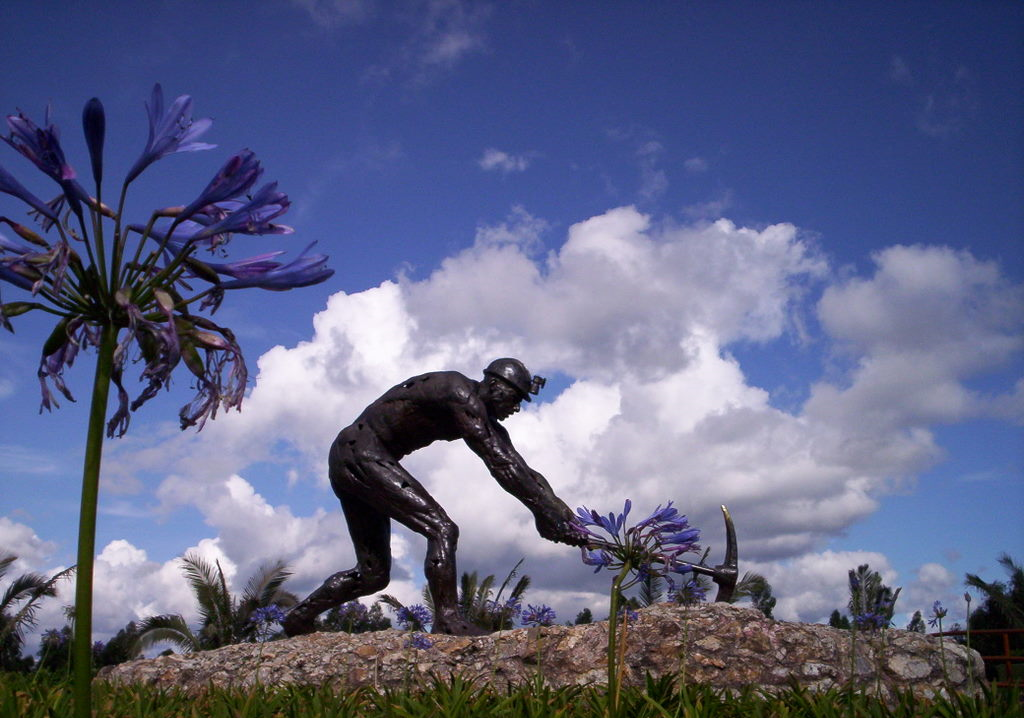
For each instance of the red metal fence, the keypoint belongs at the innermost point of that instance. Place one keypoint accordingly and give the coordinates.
(1005, 660)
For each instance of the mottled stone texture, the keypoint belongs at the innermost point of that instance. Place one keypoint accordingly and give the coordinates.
(717, 644)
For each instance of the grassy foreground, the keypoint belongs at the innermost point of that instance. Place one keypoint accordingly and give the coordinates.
(33, 696)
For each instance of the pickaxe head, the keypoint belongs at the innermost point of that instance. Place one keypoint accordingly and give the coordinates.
(726, 573)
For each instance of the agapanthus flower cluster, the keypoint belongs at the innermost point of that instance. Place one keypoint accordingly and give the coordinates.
(414, 618)
(52, 639)
(503, 613)
(352, 612)
(938, 613)
(871, 620)
(267, 615)
(419, 641)
(263, 620)
(651, 547)
(689, 592)
(85, 264)
(542, 615)
(627, 613)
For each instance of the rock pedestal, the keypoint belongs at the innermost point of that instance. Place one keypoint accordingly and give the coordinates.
(716, 644)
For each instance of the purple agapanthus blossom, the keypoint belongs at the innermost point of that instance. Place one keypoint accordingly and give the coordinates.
(938, 613)
(414, 618)
(651, 547)
(266, 615)
(41, 145)
(510, 608)
(542, 615)
(690, 592)
(143, 284)
(870, 621)
(11, 186)
(252, 216)
(419, 641)
(237, 175)
(628, 613)
(352, 610)
(169, 132)
(263, 620)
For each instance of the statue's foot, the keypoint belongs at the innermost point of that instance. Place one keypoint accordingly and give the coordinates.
(458, 627)
(297, 623)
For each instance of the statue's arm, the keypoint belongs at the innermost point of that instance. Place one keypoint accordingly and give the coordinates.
(490, 441)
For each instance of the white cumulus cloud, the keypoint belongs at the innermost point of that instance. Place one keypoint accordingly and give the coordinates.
(634, 320)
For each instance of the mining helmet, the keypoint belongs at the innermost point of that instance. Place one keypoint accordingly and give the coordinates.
(514, 373)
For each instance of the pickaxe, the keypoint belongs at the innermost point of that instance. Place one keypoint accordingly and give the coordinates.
(725, 573)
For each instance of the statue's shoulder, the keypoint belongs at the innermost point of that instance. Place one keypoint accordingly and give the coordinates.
(444, 385)
(456, 385)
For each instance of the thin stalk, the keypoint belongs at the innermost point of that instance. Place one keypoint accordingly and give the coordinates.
(82, 652)
(613, 628)
(120, 237)
(970, 655)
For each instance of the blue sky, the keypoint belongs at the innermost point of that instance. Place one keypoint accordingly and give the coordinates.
(770, 255)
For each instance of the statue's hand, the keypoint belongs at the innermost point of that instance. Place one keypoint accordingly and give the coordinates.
(562, 529)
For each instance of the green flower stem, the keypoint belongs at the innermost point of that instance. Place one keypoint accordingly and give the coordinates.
(82, 652)
(613, 629)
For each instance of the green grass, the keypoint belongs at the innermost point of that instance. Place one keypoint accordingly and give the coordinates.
(33, 696)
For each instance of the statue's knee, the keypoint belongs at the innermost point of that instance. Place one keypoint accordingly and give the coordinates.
(375, 574)
(377, 581)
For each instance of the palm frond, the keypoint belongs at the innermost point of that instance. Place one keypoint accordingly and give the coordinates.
(483, 591)
(6, 559)
(264, 586)
(428, 600)
(34, 587)
(520, 588)
(167, 628)
(467, 592)
(1000, 595)
(650, 590)
(210, 588)
(747, 586)
(20, 588)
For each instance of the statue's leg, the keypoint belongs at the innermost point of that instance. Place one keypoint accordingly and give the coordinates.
(392, 489)
(371, 535)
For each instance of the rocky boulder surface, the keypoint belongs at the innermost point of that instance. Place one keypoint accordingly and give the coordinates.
(718, 644)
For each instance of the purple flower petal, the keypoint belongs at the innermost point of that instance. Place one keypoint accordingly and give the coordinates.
(11, 186)
(41, 146)
(169, 132)
(302, 271)
(237, 175)
(253, 217)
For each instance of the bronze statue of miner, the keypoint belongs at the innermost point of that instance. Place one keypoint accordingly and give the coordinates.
(374, 488)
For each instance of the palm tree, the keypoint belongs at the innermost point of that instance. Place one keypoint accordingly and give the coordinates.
(27, 590)
(1002, 606)
(872, 603)
(1005, 602)
(224, 620)
(476, 602)
(755, 587)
